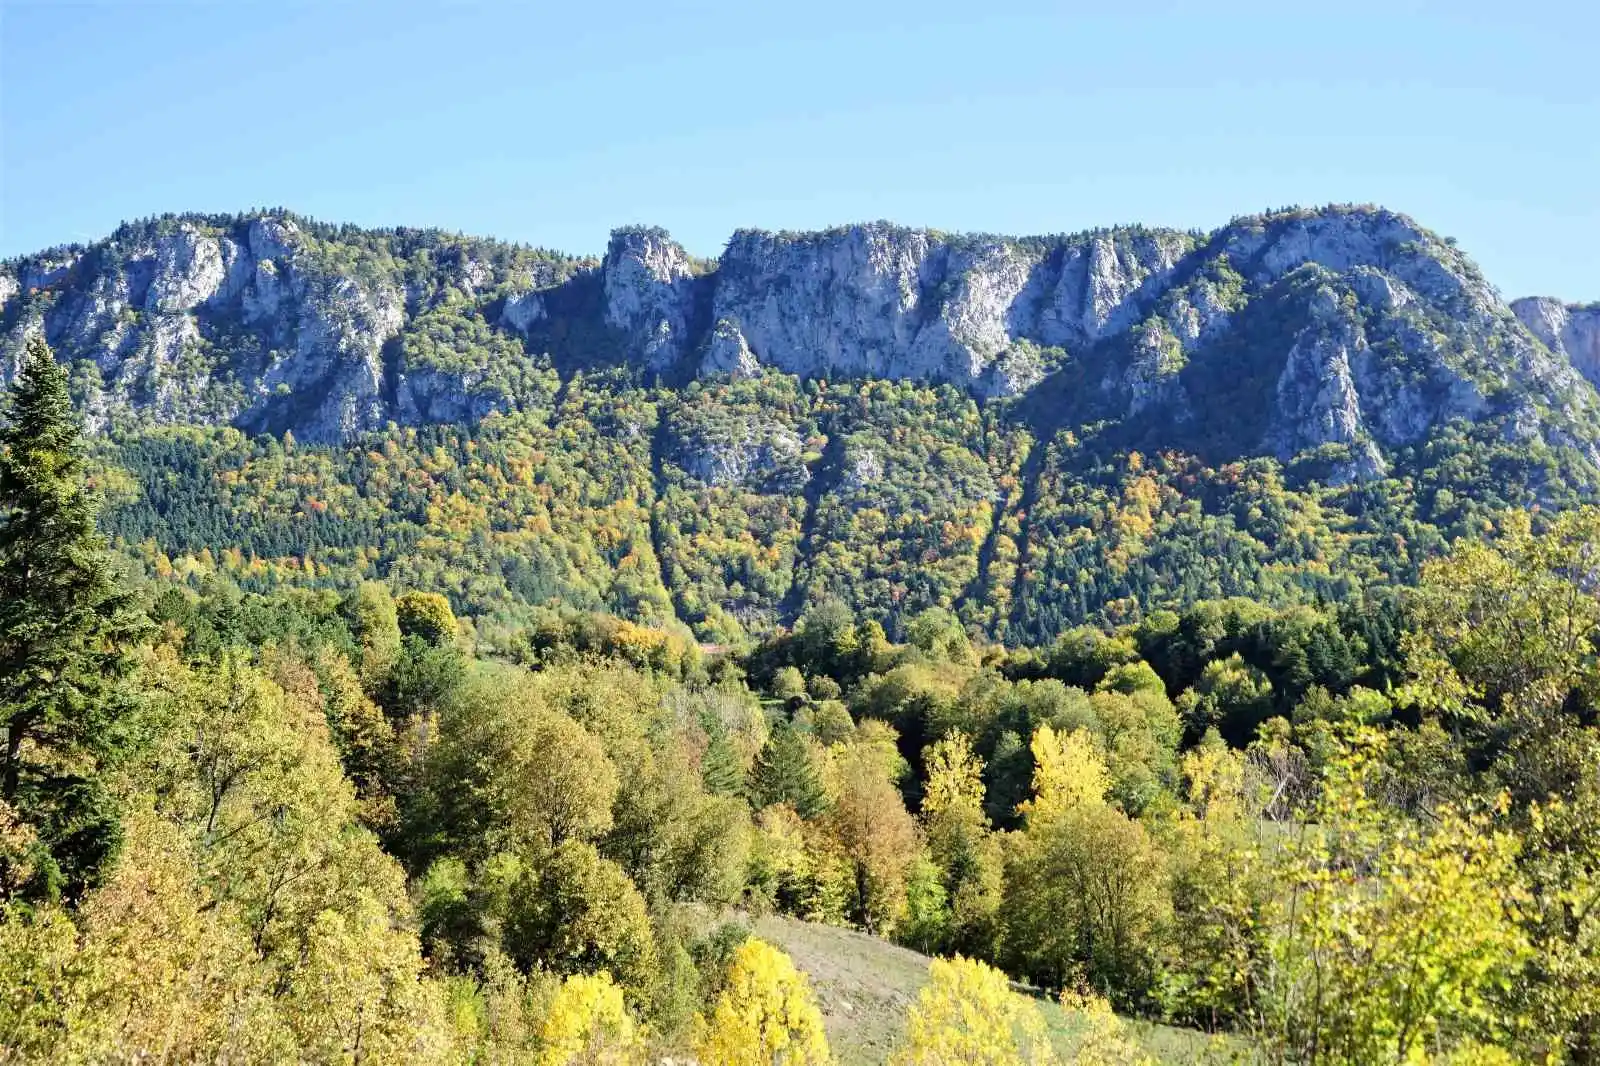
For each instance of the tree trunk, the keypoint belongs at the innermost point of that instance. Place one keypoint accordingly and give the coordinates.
(8, 780)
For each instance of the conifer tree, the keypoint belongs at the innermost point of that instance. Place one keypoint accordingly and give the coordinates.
(719, 766)
(784, 773)
(65, 624)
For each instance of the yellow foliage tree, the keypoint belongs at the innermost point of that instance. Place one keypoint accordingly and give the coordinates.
(1069, 772)
(954, 779)
(766, 1014)
(1105, 1040)
(1387, 937)
(148, 969)
(878, 838)
(588, 1024)
(968, 1014)
(960, 841)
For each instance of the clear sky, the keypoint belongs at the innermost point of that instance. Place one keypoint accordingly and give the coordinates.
(553, 123)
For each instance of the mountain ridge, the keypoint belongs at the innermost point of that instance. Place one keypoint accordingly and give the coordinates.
(995, 315)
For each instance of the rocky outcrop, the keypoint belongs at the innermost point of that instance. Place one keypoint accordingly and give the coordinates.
(727, 352)
(426, 396)
(1099, 286)
(522, 311)
(649, 295)
(1152, 375)
(336, 365)
(205, 323)
(845, 303)
(756, 455)
(1317, 401)
(1569, 331)
(1374, 331)
(188, 272)
(882, 301)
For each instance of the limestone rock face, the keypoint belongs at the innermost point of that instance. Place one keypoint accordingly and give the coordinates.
(1317, 401)
(188, 272)
(727, 352)
(1284, 333)
(1095, 288)
(649, 295)
(1571, 332)
(846, 303)
(336, 362)
(204, 323)
(522, 311)
(426, 396)
(757, 453)
(882, 301)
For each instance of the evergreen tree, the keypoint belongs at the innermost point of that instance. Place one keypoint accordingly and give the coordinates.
(784, 773)
(719, 766)
(65, 622)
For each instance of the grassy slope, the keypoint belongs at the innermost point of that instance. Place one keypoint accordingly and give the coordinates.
(865, 986)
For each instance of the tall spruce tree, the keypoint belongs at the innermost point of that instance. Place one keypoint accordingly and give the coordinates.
(784, 773)
(719, 766)
(66, 623)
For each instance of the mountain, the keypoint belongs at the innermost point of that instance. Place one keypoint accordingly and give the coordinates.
(1029, 431)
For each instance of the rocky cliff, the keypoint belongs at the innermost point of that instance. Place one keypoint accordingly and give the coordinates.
(1350, 329)
(1570, 331)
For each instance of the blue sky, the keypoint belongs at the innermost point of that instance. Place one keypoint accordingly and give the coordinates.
(552, 124)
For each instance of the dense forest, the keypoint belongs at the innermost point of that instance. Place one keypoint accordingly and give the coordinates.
(285, 781)
(732, 508)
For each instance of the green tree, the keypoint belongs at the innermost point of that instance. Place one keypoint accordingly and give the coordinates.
(573, 911)
(508, 771)
(1087, 893)
(961, 842)
(785, 773)
(426, 615)
(66, 623)
(375, 623)
(720, 769)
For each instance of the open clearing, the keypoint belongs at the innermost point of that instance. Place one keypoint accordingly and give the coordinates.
(865, 986)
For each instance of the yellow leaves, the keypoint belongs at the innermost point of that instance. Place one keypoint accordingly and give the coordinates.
(1385, 930)
(1504, 627)
(1106, 1040)
(766, 1014)
(152, 964)
(877, 836)
(1069, 772)
(1215, 777)
(954, 778)
(1475, 1054)
(588, 1024)
(968, 1014)
(355, 994)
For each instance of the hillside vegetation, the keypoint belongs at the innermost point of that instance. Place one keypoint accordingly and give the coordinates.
(317, 827)
(1098, 649)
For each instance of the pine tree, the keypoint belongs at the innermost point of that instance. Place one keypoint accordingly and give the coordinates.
(784, 773)
(65, 624)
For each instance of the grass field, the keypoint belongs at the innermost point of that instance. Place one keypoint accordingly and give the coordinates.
(865, 986)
